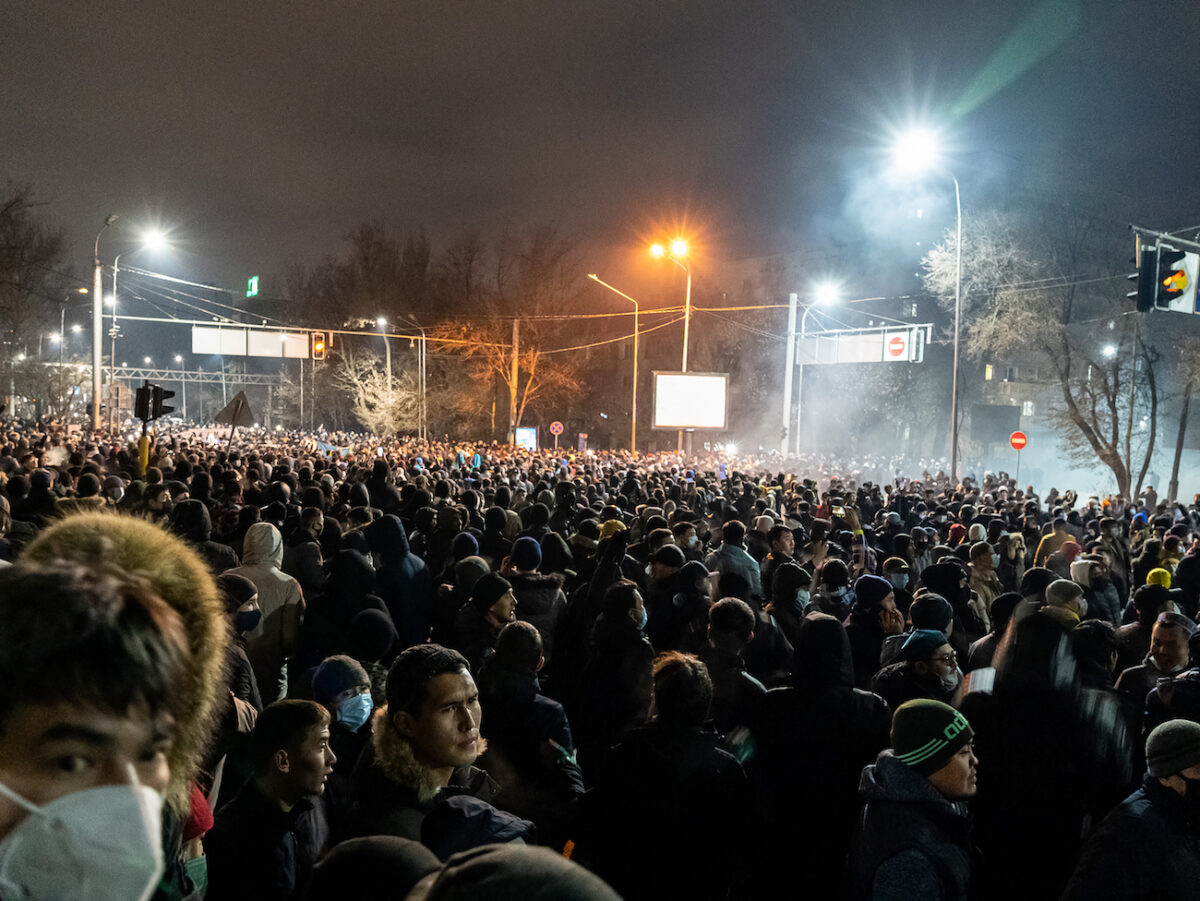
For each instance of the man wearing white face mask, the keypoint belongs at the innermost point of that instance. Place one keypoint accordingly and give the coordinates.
(1168, 657)
(100, 662)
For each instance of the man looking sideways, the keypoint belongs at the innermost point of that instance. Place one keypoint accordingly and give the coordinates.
(266, 840)
(912, 838)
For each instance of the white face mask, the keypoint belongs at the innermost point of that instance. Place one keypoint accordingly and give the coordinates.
(950, 681)
(103, 844)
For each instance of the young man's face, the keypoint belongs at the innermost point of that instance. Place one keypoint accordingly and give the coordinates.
(446, 731)
(956, 780)
(311, 762)
(54, 749)
(505, 609)
(1169, 646)
(785, 545)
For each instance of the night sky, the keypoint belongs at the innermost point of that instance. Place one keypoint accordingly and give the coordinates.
(260, 133)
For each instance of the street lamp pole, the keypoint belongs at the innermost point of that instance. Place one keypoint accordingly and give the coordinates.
(422, 424)
(677, 249)
(957, 307)
(633, 401)
(97, 323)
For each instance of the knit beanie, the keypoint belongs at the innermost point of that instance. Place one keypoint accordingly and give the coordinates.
(526, 553)
(1173, 746)
(335, 675)
(931, 611)
(921, 644)
(489, 589)
(869, 591)
(927, 733)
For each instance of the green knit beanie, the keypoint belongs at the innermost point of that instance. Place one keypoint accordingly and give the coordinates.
(927, 733)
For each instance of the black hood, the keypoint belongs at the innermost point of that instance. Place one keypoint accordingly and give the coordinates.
(821, 658)
(190, 520)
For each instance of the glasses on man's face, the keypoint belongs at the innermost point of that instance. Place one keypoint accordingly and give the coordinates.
(947, 659)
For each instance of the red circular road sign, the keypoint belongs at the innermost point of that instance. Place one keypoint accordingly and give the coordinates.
(556, 428)
(896, 346)
(1018, 440)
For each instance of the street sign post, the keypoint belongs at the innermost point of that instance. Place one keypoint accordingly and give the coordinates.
(1018, 440)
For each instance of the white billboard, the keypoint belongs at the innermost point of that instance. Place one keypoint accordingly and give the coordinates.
(232, 341)
(690, 400)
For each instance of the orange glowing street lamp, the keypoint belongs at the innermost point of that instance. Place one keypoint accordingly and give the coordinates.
(679, 248)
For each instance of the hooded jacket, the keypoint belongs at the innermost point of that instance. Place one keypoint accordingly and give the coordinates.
(910, 840)
(814, 738)
(540, 602)
(281, 602)
(402, 580)
(191, 520)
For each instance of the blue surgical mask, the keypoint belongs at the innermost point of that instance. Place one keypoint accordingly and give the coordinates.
(899, 580)
(641, 623)
(803, 597)
(355, 711)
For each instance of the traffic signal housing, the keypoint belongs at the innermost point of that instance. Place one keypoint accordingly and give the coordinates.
(157, 407)
(1171, 280)
(318, 345)
(1146, 259)
(141, 403)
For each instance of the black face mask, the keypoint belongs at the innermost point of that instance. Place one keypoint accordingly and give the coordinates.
(1191, 796)
(247, 620)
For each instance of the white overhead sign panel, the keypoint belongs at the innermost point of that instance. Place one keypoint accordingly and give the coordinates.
(233, 341)
(875, 345)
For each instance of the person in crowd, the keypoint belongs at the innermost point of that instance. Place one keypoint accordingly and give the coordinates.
(478, 622)
(671, 814)
(1149, 846)
(265, 842)
(928, 668)
(873, 617)
(420, 761)
(731, 556)
(736, 694)
(277, 636)
(913, 839)
(1168, 657)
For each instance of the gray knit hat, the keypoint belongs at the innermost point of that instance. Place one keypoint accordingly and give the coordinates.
(1173, 746)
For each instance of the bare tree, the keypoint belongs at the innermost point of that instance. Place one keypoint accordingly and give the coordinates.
(384, 406)
(1044, 286)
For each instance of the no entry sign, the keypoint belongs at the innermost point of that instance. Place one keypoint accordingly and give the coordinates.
(896, 346)
(1018, 440)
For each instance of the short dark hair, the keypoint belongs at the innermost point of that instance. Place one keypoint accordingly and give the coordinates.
(776, 533)
(89, 635)
(282, 727)
(682, 689)
(731, 616)
(619, 598)
(519, 646)
(411, 672)
(733, 585)
(734, 532)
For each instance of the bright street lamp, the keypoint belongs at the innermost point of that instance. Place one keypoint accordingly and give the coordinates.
(679, 248)
(636, 312)
(381, 321)
(151, 240)
(914, 152)
(97, 323)
(1109, 350)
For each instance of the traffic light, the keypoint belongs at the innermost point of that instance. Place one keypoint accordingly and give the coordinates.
(141, 403)
(318, 345)
(1171, 280)
(158, 395)
(1146, 259)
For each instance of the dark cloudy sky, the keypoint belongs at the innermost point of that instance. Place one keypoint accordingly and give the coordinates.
(262, 132)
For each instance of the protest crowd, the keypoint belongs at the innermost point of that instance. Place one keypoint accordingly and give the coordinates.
(290, 666)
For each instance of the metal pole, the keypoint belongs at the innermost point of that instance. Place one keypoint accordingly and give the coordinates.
(789, 364)
(687, 319)
(957, 309)
(62, 339)
(302, 392)
(97, 325)
(636, 330)
(512, 391)
(112, 359)
(183, 392)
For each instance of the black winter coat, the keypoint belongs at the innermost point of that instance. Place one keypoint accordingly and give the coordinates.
(910, 841)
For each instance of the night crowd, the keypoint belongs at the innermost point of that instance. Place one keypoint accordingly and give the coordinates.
(284, 668)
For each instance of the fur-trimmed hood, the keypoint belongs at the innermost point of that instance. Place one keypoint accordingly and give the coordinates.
(179, 576)
(394, 759)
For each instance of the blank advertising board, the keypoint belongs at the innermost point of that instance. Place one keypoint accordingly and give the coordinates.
(690, 400)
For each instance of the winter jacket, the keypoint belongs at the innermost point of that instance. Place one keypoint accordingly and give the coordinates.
(302, 561)
(540, 602)
(737, 695)
(279, 597)
(910, 842)
(256, 850)
(1138, 681)
(900, 682)
(813, 739)
(402, 580)
(728, 558)
(1148, 849)
(671, 816)
(191, 520)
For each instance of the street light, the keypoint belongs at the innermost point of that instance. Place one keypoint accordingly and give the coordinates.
(679, 248)
(97, 323)
(824, 294)
(151, 240)
(636, 312)
(422, 410)
(914, 152)
(387, 349)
